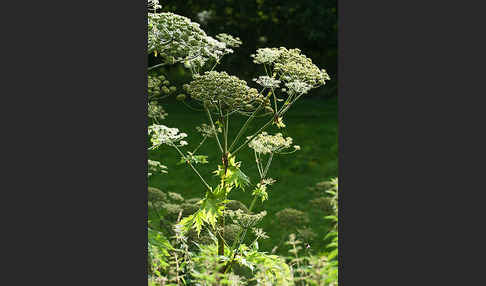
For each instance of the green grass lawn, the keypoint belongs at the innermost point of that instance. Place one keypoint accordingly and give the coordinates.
(312, 123)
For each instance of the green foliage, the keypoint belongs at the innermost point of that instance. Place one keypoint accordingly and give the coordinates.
(156, 195)
(236, 205)
(207, 237)
(158, 252)
(232, 176)
(268, 269)
(291, 218)
(194, 159)
(211, 208)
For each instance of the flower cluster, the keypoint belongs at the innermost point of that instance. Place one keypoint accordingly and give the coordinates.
(161, 134)
(208, 131)
(239, 217)
(229, 40)
(266, 56)
(267, 82)
(266, 144)
(292, 66)
(292, 218)
(218, 89)
(156, 167)
(155, 111)
(259, 233)
(297, 87)
(177, 39)
(153, 5)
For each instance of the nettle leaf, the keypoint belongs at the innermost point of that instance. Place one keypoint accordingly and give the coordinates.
(211, 208)
(236, 177)
(233, 176)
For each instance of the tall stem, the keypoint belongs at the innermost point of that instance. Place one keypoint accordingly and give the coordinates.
(253, 137)
(280, 113)
(214, 129)
(200, 144)
(189, 162)
(243, 128)
(268, 166)
(226, 135)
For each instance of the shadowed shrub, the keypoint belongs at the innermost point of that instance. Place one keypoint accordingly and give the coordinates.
(292, 218)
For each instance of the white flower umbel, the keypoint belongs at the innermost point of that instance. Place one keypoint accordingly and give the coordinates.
(267, 82)
(229, 40)
(218, 89)
(266, 56)
(298, 87)
(177, 39)
(208, 131)
(161, 134)
(291, 65)
(267, 144)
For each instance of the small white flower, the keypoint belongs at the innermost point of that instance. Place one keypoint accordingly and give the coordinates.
(266, 144)
(298, 87)
(267, 82)
(266, 55)
(161, 134)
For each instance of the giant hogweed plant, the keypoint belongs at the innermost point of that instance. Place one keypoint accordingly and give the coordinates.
(288, 75)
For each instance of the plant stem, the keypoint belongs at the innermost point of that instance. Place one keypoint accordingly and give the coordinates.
(245, 125)
(258, 164)
(189, 162)
(214, 129)
(241, 236)
(156, 66)
(226, 135)
(268, 166)
(280, 113)
(253, 137)
(200, 144)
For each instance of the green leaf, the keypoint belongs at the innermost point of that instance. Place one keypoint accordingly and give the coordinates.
(211, 208)
(233, 176)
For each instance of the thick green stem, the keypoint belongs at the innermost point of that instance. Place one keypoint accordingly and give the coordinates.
(214, 130)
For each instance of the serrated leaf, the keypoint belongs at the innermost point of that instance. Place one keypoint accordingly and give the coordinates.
(211, 208)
